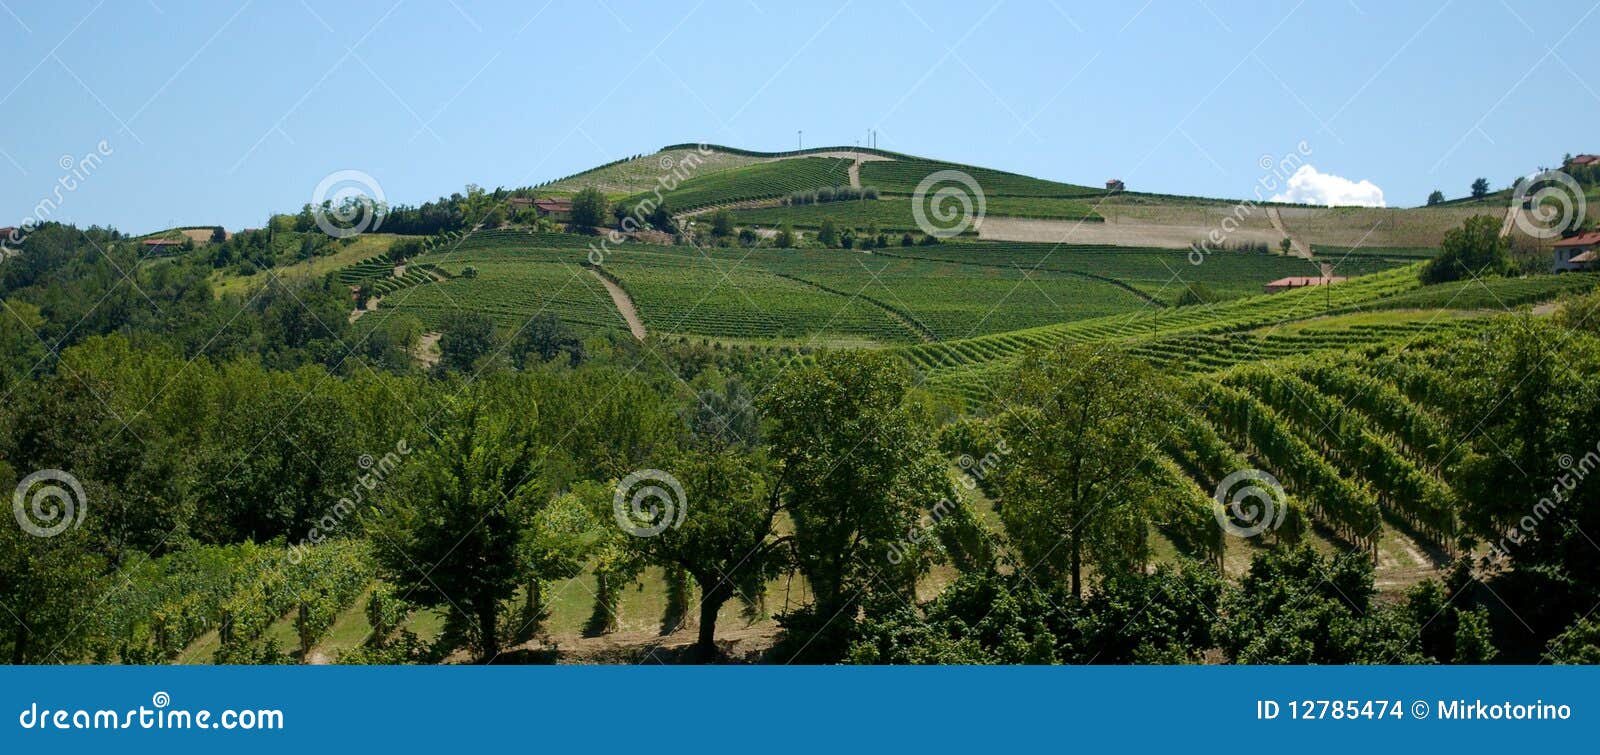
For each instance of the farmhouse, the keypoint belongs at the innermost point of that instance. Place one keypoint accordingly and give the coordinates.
(548, 207)
(553, 207)
(1301, 281)
(1115, 184)
(1576, 253)
(1580, 161)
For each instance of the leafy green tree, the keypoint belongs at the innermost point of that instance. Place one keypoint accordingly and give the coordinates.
(1480, 188)
(453, 529)
(1195, 293)
(726, 542)
(660, 218)
(466, 338)
(544, 338)
(1579, 644)
(1475, 249)
(722, 224)
(590, 208)
(982, 618)
(51, 584)
(1294, 606)
(859, 469)
(1435, 197)
(559, 542)
(405, 248)
(828, 234)
(785, 238)
(1164, 616)
(1084, 423)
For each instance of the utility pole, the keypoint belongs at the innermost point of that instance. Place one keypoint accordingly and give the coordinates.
(799, 140)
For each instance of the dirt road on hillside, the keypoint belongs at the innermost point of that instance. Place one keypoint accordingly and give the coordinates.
(624, 304)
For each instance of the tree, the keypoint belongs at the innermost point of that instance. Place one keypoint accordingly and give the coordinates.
(1295, 606)
(1437, 197)
(1480, 188)
(660, 218)
(828, 234)
(49, 584)
(589, 208)
(1284, 245)
(406, 248)
(859, 469)
(544, 338)
(1195, 293)
(1084, 422)
(726, 541)
(722, 223)
(785, 238)
(452, 529)
(1473, 250)
(465, 338)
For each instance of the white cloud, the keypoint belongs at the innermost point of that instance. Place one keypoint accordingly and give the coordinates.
(1308, 186)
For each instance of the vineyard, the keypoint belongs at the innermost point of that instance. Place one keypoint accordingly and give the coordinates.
(903, 175)
(894, 213)
(771, 180)
(225, 599)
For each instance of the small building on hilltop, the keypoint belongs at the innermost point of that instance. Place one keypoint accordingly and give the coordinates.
(1576, 254)
(1116, 185)
(1582, 161)
(1301, 281)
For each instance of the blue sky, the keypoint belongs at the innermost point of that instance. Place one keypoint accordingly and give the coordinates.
(220, 112)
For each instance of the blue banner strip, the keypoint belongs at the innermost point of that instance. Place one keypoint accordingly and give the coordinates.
(793, 709)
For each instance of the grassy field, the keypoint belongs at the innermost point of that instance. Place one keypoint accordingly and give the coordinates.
(355, 250)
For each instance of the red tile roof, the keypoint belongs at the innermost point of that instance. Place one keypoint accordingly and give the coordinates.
(1584, 160)
(1582, 239)
(554, 204)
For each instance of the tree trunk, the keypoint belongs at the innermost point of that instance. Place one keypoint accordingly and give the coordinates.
(1077, 566)
(711, 601)
(19, 646)
(487, 630)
